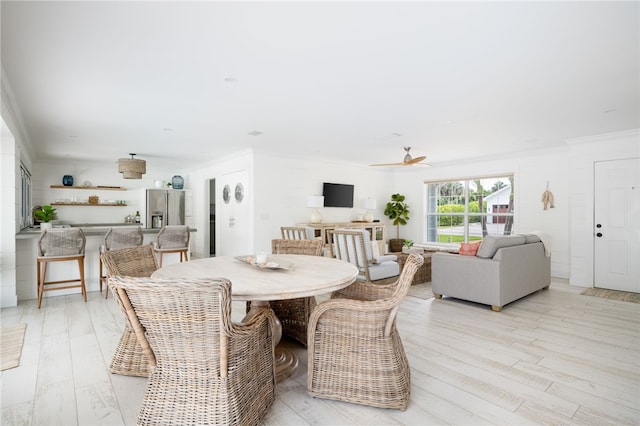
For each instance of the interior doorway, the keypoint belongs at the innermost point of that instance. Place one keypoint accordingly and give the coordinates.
(212, 217)
(616, 225)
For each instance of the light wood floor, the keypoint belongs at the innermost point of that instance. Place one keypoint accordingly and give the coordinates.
(556, 357)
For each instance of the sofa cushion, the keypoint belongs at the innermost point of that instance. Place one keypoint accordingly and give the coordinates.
(469, 249)
(491, 243)
(383, 270)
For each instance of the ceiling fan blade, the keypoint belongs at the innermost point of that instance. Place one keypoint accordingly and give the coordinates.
(388, 164)
(415, 160)
(408, 161)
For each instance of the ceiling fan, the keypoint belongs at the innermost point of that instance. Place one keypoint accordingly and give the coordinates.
(407, 161)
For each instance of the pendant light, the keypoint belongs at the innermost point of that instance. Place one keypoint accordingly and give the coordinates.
(132, 168)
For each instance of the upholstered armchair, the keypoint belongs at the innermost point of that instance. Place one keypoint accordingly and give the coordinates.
(354, 246)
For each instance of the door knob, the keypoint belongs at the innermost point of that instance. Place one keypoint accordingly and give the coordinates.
(599, 234)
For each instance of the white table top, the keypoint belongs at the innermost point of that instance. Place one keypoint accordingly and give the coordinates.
(310, 275)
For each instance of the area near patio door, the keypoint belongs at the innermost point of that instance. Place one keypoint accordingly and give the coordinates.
(617, 225)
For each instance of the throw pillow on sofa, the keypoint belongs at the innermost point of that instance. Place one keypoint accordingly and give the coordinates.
(469, 249)
(492, 243)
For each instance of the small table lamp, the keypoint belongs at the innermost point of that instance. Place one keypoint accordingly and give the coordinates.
(369, 205)
(315, 202)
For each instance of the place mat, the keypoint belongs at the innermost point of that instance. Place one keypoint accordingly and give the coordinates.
(421, 291)
(612, 294)
(12, 339)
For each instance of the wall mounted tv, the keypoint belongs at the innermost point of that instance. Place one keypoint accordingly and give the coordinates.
(337, 195)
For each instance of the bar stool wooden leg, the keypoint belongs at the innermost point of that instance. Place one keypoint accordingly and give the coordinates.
(83, 287)
(101, 276)
(42, 273)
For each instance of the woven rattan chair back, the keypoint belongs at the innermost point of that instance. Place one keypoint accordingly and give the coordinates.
(137, 261)
(173, 239)
(122, 237)
(60, 245)
(129, 358)
(61, 242)
(354, 335)
(207, 370)
(295, 232)
(308, 247)
(117, 238)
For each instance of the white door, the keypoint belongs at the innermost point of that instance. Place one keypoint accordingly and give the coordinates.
(617, 225)
(233, 227)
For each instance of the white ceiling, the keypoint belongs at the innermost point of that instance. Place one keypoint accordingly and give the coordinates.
(353, 81)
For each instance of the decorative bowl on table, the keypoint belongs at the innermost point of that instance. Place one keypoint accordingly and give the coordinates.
(270, 263)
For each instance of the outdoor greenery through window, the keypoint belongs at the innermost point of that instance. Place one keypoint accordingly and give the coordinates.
(469, 209)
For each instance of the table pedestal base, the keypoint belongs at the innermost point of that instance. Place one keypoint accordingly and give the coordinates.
(286, 363)
(286, 360)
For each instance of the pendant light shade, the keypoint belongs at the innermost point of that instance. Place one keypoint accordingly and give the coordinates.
(132, 168)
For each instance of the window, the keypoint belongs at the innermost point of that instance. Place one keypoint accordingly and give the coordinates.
(469, 209)
(26, 219)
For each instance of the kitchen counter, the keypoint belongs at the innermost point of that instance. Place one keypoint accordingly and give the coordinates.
(89, 229)
(27, 252)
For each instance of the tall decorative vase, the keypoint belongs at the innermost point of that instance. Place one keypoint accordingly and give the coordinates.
(67, 180)
(177, 182)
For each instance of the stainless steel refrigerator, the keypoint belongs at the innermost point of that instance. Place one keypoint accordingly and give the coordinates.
(164, 207)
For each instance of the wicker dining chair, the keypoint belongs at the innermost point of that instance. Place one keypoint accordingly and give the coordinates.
(139, 261)
(205, 368)
(172, 239)
(294, 313)
(117, 238)
(60, 245)
(354, 351)
(297, 232)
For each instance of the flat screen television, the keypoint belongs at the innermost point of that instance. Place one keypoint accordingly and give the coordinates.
(337, 195)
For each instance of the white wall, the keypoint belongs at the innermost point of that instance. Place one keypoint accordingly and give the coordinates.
(282, 185)
(13, 150)
(7, 216)
(278, 190)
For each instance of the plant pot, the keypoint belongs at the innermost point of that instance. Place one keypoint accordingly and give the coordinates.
(395, 245)
(45, 225)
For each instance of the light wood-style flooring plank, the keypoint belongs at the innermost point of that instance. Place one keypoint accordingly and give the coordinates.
(555, 357)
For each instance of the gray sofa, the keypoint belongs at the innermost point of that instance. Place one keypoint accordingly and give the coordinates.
(503, 270)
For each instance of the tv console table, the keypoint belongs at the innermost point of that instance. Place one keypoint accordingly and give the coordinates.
(376, 230)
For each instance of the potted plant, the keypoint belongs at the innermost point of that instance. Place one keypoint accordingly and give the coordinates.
(45, 214)
(398, 211)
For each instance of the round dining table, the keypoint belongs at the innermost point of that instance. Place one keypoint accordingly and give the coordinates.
(284, 276)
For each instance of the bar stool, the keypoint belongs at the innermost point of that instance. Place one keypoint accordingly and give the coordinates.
(117, 238)
(172, 239)
(60, 245)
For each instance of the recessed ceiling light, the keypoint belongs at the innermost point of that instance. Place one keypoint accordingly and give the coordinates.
(230, 80)
(167, 129)
(607, 111)
(255, 133)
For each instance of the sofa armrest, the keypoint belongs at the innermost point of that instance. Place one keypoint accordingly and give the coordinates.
(385, 257)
